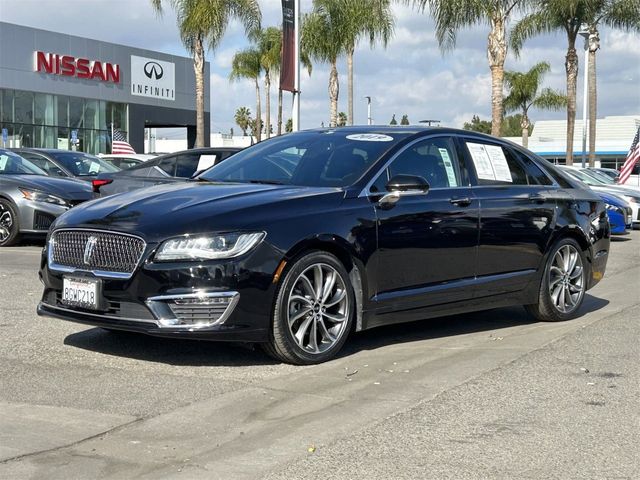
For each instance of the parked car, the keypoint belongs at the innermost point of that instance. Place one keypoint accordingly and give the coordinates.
(127, 160)
(30, 201)
(66, 163)
(612, 173)
(600, 185)
(619, 213)
(301, 239)
(170, 168)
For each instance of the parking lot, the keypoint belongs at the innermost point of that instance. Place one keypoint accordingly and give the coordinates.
(484, 395)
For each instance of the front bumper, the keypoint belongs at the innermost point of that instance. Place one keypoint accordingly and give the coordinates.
(225, 300)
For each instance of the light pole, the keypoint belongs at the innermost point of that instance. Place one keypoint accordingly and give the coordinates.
(584, 33)
(369, 120)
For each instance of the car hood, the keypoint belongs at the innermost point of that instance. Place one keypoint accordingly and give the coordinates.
(61, 187)
(615, 190)
(197, 207)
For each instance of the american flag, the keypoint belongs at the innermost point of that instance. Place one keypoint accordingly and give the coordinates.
(119, 143)
(632, 159)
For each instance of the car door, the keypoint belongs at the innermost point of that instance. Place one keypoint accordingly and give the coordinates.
(427, 243)
(517, 214)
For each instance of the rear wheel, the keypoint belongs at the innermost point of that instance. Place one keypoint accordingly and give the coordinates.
(9, 227)
(313, 313)
(563, 284)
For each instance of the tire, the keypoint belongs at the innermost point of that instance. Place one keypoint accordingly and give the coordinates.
(563, 283)
(307, 327)
(9, 226)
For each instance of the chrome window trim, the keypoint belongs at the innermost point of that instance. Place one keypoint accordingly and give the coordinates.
(99, 273)
(365, 191)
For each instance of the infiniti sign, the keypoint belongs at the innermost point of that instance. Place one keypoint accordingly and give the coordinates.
(153, 70)
(153, 78)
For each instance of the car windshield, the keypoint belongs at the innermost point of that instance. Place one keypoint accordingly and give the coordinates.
(589, 180)
(330, 158)
(82, 164)
(599, 177)
(13, 164)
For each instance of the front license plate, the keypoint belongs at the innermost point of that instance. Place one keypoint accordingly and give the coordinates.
(80, 292)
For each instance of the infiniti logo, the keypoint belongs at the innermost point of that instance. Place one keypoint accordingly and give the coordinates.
(88, 249)
(153, 70)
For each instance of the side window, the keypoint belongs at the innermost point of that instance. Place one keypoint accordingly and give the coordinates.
(44, 163)
(496, 165)
(535, 175)
(168, 166)
(186, 165)
(434, 159)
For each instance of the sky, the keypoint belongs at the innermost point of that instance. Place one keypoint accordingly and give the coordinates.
(411, 76)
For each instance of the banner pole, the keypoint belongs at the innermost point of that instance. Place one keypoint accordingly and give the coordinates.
(296, 93)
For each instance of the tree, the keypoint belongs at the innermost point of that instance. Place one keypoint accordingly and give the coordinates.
(549, 16)
(623, 14)
(203, 23)
(393, 120)
(512, 126)
(324, 38)
(364, 18)
(243, 119)
(342, 119)
(524, 93)
(405, 120)
(269, 45)
(246, 64)
(453, 15)
(289, 126)
(477, 125)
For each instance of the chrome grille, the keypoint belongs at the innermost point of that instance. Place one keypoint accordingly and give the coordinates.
(111, 252)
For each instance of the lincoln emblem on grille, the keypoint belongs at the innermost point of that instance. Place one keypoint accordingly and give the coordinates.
(88, 249)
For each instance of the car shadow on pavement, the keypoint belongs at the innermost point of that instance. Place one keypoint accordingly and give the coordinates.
(182, 352)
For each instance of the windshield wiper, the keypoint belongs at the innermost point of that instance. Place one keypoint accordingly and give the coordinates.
(265, 182)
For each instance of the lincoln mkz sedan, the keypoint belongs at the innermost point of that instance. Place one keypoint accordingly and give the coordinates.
(300, 240)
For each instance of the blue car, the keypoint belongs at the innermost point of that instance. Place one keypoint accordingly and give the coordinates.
(618, 211)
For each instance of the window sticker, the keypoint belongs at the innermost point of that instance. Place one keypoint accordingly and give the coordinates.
(448, 166)
(370, 137)
(499, 163)
(206, 161)
(481, 161)
(94, 167)
(3, 162)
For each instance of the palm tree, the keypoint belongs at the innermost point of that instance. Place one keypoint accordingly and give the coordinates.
(342, 119)
(452, 15)
(243, 119)
(324, 37)
(549, 16)
(203, 22)
(623, 14)
(370, 18)
(524, 93)
(246, 64)
(270, 46)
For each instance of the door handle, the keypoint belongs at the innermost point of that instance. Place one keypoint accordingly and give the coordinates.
(461, 202)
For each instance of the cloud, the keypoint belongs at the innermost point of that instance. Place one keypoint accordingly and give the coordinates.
(411, 76)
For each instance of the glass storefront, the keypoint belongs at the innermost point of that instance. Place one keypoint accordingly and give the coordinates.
(43, 120)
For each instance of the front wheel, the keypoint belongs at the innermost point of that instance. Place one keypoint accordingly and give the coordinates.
(9, 227)
(563, 283)
(313, 313)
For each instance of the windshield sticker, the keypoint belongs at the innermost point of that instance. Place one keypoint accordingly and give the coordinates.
(370, 137)
(206, 161)
(481, 161)
(3, 162)
(448, 166)
(499, 163)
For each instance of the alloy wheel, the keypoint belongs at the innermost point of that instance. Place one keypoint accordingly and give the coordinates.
(318, 308)
(6, 223)
(566, 279)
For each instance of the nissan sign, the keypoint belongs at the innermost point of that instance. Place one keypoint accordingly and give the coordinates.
(153, 78)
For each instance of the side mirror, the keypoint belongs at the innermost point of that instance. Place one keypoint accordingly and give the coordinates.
(403, 185)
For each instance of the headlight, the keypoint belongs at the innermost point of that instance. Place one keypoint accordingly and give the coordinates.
(208, 247)
(36, 196)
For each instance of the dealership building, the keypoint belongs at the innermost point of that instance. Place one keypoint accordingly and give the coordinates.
(63, 91)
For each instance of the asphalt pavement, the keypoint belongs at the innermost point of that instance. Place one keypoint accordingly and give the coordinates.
(483, 395)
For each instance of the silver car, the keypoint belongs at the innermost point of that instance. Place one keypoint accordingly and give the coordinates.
(30, 201)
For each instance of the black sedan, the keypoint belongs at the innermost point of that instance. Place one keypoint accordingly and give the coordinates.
(299, 240)
(169, 168)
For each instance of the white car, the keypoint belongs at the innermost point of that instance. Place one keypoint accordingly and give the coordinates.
(632, 196)
(127, 160)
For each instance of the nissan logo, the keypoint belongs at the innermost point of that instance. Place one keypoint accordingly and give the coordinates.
(153, 70)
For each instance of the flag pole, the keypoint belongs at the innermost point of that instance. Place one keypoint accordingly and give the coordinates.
(112, 137)
(296, 94)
